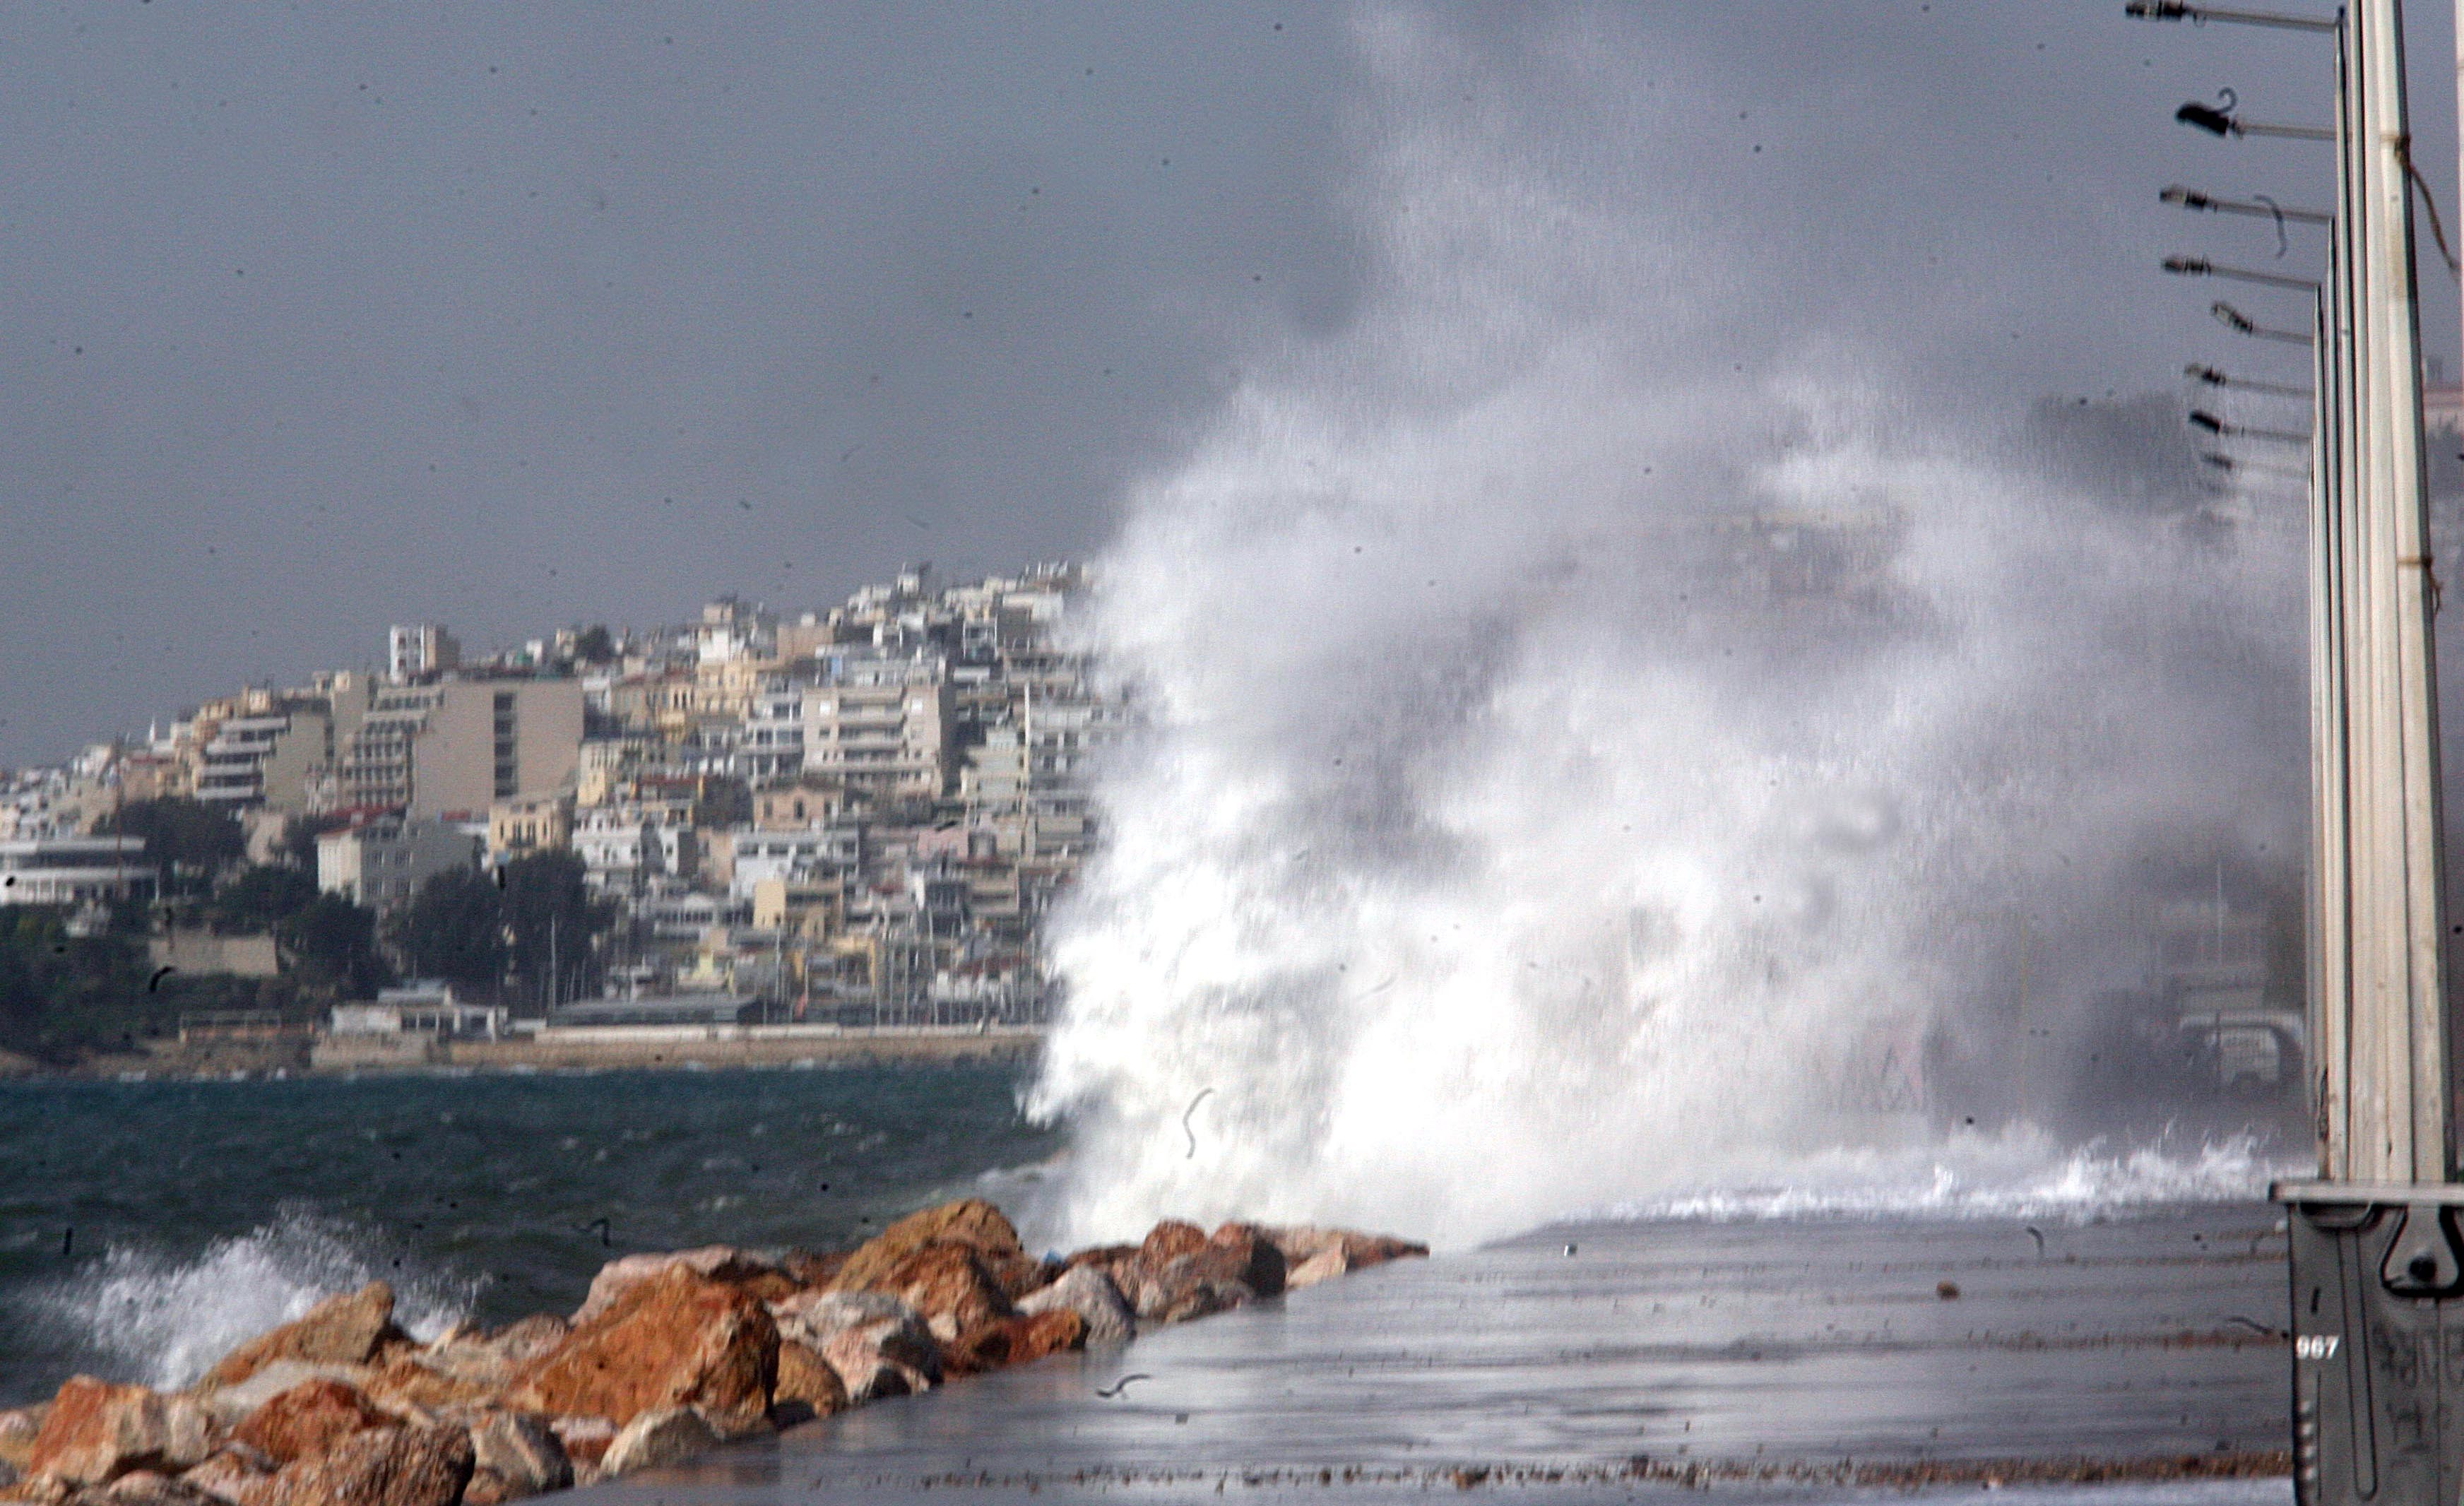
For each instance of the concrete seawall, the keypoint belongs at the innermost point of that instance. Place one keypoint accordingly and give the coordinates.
(586, 1049)
(745, 1045)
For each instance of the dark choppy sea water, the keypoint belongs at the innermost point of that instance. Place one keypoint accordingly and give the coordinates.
(206, 1211)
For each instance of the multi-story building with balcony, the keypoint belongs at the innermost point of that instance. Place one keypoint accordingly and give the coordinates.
(835, 850)
(264, 760)
(881, 726)
(458, 747)
(75, 871)
(626, 849)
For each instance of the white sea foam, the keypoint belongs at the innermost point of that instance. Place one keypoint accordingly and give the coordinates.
(143, 1317)
(1602, 749)
(2016, 1176)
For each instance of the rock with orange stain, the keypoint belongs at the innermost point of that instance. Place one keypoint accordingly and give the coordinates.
(675, 1339)
(308, 1419)
(349, 1329)
(95, 1432)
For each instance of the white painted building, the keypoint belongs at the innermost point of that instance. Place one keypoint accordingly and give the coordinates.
(425, 1007)
(622, 848)
(75, 871)
(833, 850)
(381, 863)
(418, 649)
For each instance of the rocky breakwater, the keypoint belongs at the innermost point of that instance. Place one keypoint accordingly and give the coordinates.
(669, 1355)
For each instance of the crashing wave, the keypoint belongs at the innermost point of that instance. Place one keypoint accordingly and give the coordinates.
(144, 1315)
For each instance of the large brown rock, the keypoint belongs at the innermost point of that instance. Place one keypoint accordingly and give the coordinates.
(1016, 1340)
(514, 1456)
(1168, 1241)
(17, 1429)
(971, 1222)
(381, 1467)
(232, 1405)
(813, 1268)
(672, 1341)
(237, 1472)
(341, 1330)
(1250, 1257)
(1090, 1292)
(146, 1488)
(1129, 1277)
(723, 1264)
(585, 1439)
(1302, 1244)
(869, 1371)
(95, 1432)
(1324, 1266)
(308, 1419)
(812, 1317)
(1179, 1273)
(807, 1386)
(410, 1384)
(949, 1284)
(407, 1384)
(669, 1436)
(877, 1345)
(1192, 1286)
(486, 1361)
(526, 1339)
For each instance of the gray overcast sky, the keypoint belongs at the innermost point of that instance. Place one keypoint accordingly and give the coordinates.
(319, 318)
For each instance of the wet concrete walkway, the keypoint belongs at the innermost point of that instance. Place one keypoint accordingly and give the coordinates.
(1818, 1360)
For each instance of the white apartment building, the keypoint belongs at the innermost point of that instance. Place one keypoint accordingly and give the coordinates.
(420, 649)
(75, 871)
(995, 779)
(881, 724)
(1063, 730)
(834, 850)
(381, 863)
(773, 740)
(623, 848)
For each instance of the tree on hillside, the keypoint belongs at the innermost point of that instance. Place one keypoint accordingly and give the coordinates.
(594, 647)
(189, 842)
(62, 996)
(333, 946)
(259, 899)
(454, 930)
(547, 908)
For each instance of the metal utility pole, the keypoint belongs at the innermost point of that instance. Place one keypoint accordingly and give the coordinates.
(2379, 1040)
(2377, 1257)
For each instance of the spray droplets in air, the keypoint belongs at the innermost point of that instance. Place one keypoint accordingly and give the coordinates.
(1594, 742)
(138, 1315)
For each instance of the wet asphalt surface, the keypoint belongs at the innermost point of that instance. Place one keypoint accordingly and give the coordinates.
(1787, 1360)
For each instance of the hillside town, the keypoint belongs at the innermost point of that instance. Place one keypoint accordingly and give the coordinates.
(856, 816)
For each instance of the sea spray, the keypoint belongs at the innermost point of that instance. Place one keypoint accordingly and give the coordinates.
(1584, 724)
(2017, 1173)
(138, 1315)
